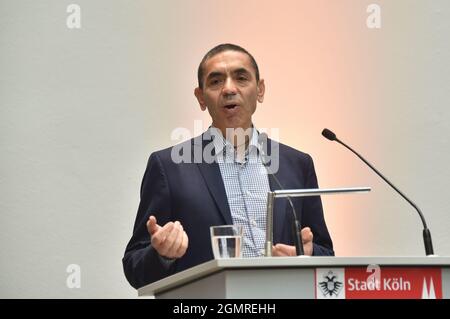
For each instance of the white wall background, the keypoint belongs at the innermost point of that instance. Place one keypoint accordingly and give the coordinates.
(81, 110)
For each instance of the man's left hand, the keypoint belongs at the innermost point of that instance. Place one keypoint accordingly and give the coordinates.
(287, 250)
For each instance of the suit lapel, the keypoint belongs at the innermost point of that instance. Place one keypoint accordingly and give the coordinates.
(213, 179)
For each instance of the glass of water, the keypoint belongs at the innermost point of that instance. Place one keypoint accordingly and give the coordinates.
(226, 241)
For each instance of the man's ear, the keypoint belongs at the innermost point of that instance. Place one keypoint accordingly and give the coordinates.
(261, 89)
(199, 95)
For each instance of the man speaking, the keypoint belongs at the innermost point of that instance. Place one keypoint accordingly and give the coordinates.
(228, 184)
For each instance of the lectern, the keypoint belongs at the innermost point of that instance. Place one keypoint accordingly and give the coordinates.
(308, 278)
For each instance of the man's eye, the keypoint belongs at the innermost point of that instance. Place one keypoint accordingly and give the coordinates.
(242, 78)
(214, 82)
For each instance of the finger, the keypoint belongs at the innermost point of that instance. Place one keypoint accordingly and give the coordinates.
(276, 252)
(177, 243)
(307, 235)
(284, 250)
(305, 230)
(166, 229)
(307, 239)
(170, 238)
(152, 226)
(159, 238)
(184, 245)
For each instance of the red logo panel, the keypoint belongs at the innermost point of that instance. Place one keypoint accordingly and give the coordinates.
(393, 283)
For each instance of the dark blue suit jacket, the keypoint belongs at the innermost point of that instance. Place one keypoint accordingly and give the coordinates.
(194, 194)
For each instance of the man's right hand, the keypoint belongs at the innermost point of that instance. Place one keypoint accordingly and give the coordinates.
(170, 240)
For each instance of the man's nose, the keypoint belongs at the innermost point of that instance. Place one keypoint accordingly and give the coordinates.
(229, 87)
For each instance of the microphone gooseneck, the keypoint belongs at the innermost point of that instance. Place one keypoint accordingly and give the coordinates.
(426, 232)
(296, 226)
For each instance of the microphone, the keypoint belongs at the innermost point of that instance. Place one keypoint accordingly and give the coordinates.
(296, 226)
(426, 232)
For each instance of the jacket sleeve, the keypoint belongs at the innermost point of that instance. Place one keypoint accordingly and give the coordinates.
(313, 216)
(141, 263)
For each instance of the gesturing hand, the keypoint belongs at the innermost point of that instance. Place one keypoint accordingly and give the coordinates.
(287, 250)
(170, 240)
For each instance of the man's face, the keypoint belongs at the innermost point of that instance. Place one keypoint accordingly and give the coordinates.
(230, 91)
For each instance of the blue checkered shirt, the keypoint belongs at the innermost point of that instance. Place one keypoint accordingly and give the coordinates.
(246, 185)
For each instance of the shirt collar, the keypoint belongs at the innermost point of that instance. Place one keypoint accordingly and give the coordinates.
(224, 147)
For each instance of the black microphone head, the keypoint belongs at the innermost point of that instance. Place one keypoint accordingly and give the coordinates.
(328, 134)
(262, 141)
(262, 137)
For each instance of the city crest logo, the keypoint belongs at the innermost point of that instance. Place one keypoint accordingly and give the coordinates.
(330, 284)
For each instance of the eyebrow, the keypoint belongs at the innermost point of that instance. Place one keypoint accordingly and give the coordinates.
(237, 71)
(213, 74)
(242, 71)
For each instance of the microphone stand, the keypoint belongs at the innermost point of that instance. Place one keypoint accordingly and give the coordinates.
(426, 232)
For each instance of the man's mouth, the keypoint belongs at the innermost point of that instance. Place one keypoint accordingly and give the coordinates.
(230, 106)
